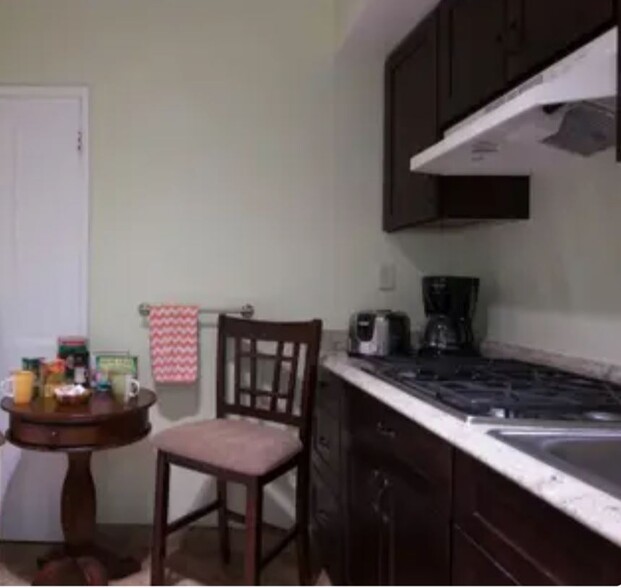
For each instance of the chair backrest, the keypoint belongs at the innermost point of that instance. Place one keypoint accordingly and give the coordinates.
(268, 370)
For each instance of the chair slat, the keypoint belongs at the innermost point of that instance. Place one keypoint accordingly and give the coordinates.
(268, 356)
(253, 370)
(293, 378)
(293, 346)
(280, 347)
(237, 361)
(269, 393)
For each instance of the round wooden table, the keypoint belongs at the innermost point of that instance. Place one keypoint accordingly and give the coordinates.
(77, 431)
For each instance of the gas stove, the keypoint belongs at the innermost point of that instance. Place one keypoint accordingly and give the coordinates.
(499, 390)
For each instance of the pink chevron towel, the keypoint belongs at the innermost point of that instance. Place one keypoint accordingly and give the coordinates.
(174, 344)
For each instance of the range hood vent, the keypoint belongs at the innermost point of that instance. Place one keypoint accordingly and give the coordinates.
(567, 111)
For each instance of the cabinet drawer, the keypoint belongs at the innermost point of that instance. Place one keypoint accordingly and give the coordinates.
(327, 440)
(326, 527)
(380, 430)
(329, 392)
(531, 540)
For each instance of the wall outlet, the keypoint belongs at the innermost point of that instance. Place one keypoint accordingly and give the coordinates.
(387, 277)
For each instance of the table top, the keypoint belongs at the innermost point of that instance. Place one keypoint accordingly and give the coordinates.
(102, 407)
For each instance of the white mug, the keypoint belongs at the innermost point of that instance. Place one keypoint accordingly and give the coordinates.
(124, 387)
(19, 386)
(6, 387)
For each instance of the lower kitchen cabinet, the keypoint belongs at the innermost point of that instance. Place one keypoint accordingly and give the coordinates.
(326, 528)
(329, 465)
(471, 566)
(535, 543)
(392, 503)
(400, 538)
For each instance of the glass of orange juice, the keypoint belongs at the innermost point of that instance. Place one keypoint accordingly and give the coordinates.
(20, 386)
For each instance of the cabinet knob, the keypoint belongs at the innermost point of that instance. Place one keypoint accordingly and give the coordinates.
(385, 431)
(322, 517)
(323, 442)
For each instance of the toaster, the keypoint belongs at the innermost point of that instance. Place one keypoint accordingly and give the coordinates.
(379, 333)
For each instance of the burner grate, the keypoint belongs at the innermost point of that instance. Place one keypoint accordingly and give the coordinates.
(502, 388)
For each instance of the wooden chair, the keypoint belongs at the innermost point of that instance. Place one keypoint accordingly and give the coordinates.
(242, 451)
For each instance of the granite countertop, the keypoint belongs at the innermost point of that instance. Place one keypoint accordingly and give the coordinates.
(590, 506)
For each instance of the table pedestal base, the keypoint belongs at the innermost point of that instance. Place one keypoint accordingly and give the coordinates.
(80, 560)
(62, 564)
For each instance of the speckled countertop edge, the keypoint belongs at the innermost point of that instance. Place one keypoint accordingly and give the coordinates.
(595, 509)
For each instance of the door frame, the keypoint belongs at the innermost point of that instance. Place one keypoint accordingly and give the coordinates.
(80, 93)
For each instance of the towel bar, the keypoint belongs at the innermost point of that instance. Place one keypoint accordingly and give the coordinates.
(246, 311)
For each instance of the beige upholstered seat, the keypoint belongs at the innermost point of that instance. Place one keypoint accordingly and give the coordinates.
(237, 445)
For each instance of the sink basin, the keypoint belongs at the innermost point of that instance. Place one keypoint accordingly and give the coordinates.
(593, 456)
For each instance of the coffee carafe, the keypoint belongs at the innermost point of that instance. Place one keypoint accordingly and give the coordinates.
(449, 303)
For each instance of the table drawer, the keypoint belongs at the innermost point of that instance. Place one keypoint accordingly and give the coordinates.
(56, 436)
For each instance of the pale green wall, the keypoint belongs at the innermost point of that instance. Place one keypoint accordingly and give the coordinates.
(219, 176)
(554, 282)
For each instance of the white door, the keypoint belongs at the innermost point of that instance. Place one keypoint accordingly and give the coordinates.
(43, 276)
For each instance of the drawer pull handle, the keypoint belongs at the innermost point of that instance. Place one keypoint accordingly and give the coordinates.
(385, 431)
(54, 434)
(323, 518)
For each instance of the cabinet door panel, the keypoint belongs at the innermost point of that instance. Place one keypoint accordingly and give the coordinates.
(399, 537)
(541, 31)
(471, 566)
(366, 542)
(418, 551)
(326, 527)
(509, 523)
(472, 57)
(411, 125)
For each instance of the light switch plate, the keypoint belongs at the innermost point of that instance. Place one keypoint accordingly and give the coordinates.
(387, 277)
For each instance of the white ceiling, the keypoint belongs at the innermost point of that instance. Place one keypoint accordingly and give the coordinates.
(376, 26)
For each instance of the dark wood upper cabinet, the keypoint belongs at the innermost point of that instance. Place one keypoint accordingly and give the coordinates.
(541, 31)
(411, 125)
(472, 60)
(487, 46)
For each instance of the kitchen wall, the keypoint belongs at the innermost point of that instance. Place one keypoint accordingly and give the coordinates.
(553, 283)
(233, 160)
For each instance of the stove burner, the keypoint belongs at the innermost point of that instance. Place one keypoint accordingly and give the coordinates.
(503, 389)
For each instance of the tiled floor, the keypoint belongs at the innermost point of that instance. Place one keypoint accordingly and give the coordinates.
(194, 558)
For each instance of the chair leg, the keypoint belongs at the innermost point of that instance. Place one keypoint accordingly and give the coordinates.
(302, 522)
(223, 523)
(160, 520)
(254, 519)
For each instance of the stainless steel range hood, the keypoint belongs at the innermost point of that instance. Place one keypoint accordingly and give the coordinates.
(563, 113)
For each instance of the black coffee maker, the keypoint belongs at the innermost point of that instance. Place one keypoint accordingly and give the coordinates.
(449, 303)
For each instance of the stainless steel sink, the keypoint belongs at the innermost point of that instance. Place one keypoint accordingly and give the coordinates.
(593, 456)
